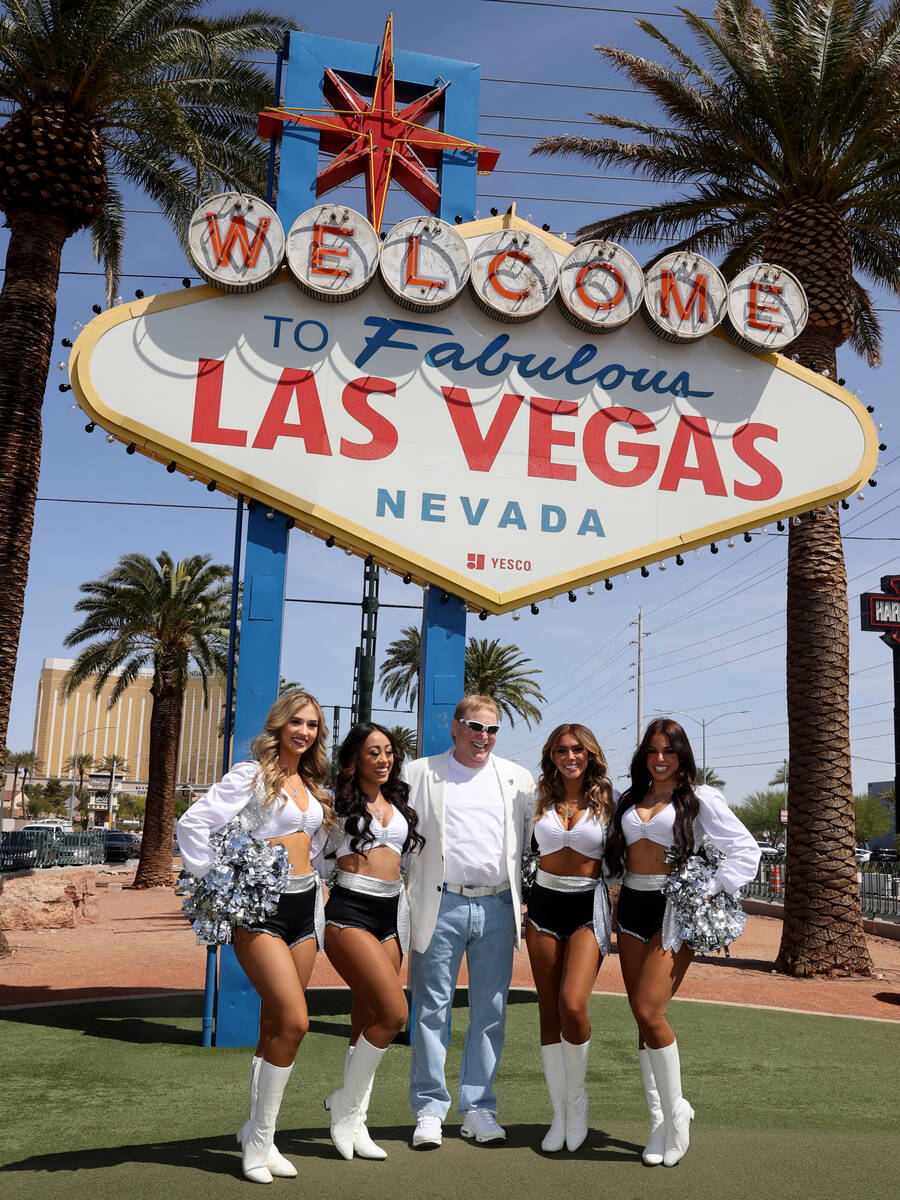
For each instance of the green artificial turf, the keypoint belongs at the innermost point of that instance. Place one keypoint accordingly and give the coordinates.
(117, 1098)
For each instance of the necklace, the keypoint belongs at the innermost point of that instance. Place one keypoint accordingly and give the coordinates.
(568, 810)
(378, 811)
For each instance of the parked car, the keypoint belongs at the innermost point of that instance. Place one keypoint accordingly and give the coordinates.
(18, 851)
(863, 854)
(56, 823)
(767, 850)
(120, 846)
(883, 854)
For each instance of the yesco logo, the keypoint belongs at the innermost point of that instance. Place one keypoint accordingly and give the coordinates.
(475, 562)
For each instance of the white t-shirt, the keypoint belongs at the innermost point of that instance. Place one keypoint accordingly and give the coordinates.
(474, 826)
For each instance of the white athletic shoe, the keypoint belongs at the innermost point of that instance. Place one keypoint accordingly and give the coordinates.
(481, 1124)
(427, 1135)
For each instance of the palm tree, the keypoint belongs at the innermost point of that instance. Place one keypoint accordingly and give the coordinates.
(404, 740)
(500, 672)
(96, 91)
(780, 778)
(782, 141)
(113, 764)
(399, 674)
(30, 765)
(490, 670)
(13, 759)
(173, 617)
(710, 777)
(80, 765)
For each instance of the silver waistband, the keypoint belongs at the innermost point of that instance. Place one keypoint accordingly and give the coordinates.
(476, 891)
(368, 884)
(644, 883)
(300, 883)
(564, 883)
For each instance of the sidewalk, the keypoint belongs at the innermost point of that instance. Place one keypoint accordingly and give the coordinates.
(143, 945)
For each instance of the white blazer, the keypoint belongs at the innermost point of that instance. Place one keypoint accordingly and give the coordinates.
(426, 778)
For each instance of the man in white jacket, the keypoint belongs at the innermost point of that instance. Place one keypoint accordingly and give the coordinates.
(475, 810)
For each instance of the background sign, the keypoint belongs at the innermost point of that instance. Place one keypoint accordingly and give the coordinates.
(504, 461)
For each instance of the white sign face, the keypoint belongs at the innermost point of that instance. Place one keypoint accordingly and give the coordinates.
(332, 252)
(600, 285)
(684, 296)
(424, 263)
(236, 242)
(505, 463)
(767, 307)
(514, 274)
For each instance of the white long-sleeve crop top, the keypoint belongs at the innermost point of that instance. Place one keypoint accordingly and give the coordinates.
(587, 836)
(225, 800)
(720, 825)
(393, 835)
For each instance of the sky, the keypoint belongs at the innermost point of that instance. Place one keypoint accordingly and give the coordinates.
(713, 645)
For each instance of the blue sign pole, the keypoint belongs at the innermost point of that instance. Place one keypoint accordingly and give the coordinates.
(259, 661)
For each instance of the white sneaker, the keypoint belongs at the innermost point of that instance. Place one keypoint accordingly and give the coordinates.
(427, 1135)
(481, 1124)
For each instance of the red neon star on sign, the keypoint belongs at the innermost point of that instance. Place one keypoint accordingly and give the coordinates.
(375, 138)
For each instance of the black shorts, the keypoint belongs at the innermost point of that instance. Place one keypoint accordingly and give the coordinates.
(640, 913)
(560, 913)
(346, 909)
(294, 920)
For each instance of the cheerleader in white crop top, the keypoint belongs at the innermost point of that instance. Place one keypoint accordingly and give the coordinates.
(662, 810)
(568, 926)
(283, 799)
(367, 919)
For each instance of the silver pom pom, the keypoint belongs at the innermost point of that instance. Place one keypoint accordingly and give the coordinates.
(242, 886)
(704, 922)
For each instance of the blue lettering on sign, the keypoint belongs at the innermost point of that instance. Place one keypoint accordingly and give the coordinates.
(494, 359)
(554, 517)
(385, 501)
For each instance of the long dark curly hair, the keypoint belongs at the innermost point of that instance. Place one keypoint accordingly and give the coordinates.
(596, 787)
(350, 801)
(686, 804)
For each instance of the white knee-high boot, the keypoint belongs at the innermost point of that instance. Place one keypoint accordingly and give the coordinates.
(576, 1061)
(653, 1151)
(677, 1113)
(363, 1145)
(347, 1103)
(276, 1162)
(259, 1131)
(555, 1075)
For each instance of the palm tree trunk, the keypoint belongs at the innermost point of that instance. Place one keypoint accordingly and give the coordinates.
(822, 932)
(155, 865)
(27, 316)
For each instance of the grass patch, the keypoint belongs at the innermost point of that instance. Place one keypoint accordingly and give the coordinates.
(112, 1098)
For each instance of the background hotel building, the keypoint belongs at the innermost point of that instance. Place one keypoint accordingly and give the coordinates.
(125, 728)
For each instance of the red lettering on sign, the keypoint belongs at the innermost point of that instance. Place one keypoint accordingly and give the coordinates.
(756, 308)
(320, 251)
(384, 435)
(480, 450)
(769, 476)
(237, 233)
(312, 423)
(595, 433)
(495, 267)
(693, 432)
(583, 296)
(670, 289)
(413, 278)
(207, 407)
(542, 437)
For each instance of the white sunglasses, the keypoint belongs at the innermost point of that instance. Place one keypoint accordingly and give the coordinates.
(478, 727)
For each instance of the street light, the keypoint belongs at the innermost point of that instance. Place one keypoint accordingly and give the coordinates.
(702, 722)
(84, 733)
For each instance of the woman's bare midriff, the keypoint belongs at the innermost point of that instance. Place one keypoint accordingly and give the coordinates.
(297, 846)
(380, 863)
(569, 862)
(646, 858)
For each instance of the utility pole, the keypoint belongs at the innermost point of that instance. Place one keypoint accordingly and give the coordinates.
(364, 672)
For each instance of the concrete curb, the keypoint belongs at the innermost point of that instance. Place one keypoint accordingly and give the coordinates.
(876, 926)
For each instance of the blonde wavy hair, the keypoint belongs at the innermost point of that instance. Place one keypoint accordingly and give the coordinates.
(314, 766)
(596, 787)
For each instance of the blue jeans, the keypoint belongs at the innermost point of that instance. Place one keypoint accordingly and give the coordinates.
(485, 929)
